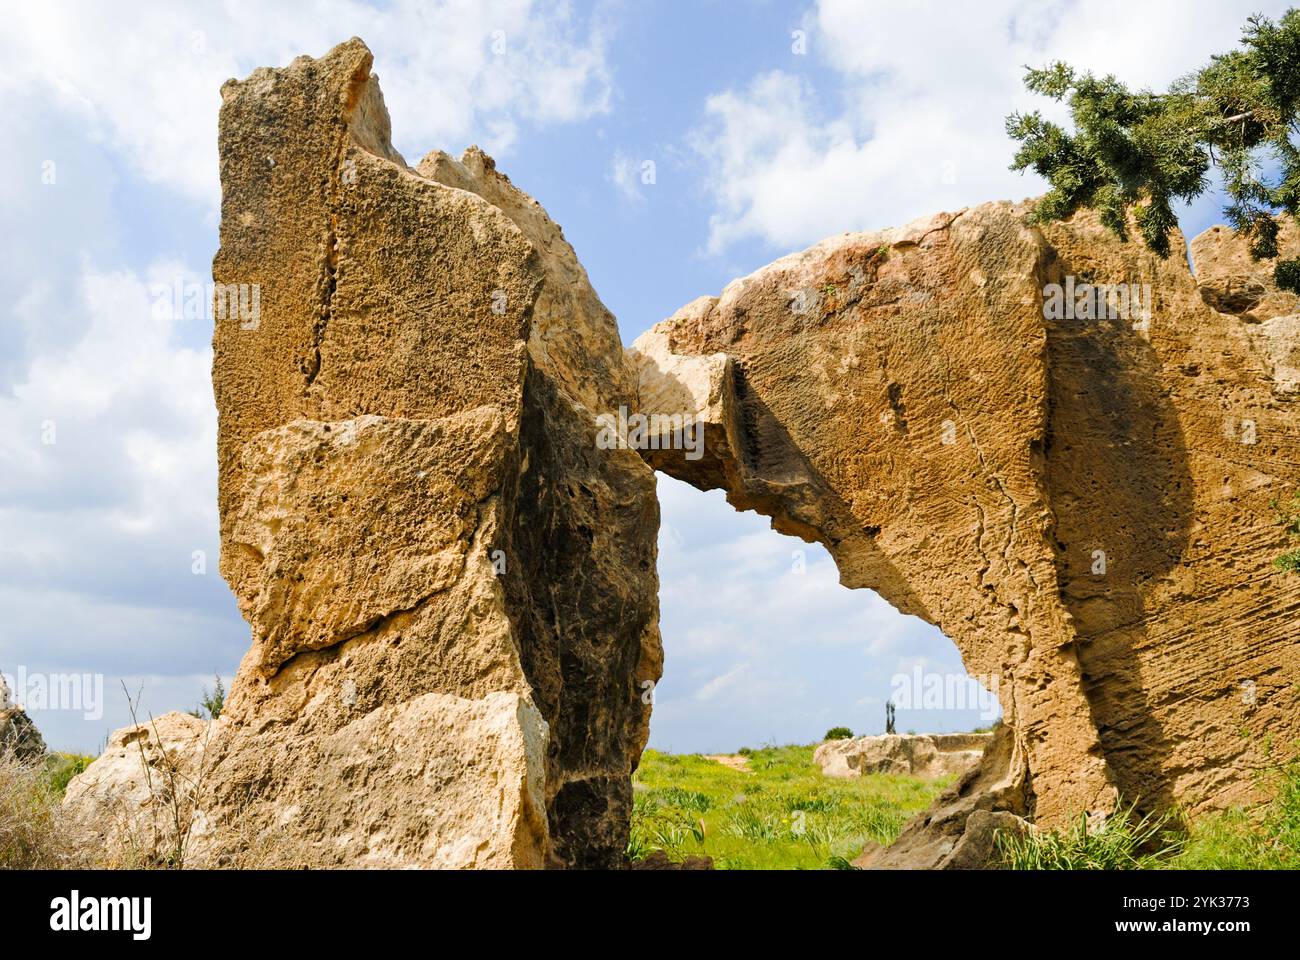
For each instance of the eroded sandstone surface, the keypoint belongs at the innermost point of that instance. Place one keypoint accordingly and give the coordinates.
(140, 802)
(1081, 504)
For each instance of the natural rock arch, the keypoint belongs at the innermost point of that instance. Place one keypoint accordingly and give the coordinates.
(1065, 499)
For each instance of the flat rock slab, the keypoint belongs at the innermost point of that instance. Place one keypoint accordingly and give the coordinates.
(929, 756)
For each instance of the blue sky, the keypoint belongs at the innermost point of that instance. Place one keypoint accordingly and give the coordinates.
(769, 126)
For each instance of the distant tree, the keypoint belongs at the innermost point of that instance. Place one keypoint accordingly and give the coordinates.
(838, 733)
(1140, 151)
(211, 704)
(889, 716)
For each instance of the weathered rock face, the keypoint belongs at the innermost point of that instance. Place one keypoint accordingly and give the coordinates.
(1080, 504)
(971, 846)
(18, 735)
(926, 755)
(1231, 282)
(452, 590)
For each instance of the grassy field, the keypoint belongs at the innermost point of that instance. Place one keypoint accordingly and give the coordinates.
(1265, 837)
(779, 814)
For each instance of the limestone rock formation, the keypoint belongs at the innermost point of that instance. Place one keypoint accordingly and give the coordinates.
(18, 735)
(1080, 502)
(451, 582)
(926, 755)
(452, 590)
(139, 802)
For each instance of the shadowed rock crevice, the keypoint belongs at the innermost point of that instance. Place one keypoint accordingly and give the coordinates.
(587, 629)
(1121, 492)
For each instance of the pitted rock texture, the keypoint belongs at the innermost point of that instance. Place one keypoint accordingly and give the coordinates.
(926, 755)
(452, 591)
(140, 800)
(1081, 505)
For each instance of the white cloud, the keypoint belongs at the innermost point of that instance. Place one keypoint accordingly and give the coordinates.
(107, 490)
(721, 683)
(921, 92)
(755, 648)
(625, 175)
(450, 71)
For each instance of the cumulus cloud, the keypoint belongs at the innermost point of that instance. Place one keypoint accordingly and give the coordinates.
(449, 70)
(910, 118)
(108, 546)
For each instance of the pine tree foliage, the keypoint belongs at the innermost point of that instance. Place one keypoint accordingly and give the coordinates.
(1142, 152)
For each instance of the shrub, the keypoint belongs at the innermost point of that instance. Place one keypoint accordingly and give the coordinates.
(1288, 518)
(211, 704)
(60, 768)
(838, 733)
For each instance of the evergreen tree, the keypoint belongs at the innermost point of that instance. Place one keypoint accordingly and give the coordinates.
(211, 703)
(1141, 151)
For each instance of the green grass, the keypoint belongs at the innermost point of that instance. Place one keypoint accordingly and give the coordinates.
(1266, 837)
(1288, 517)
(1125, 841)
(781, 815)
(34, 833)
(62, 767)
(784, 814)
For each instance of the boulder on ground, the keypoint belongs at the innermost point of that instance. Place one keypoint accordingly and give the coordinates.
(140, 800)
(925, 755)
